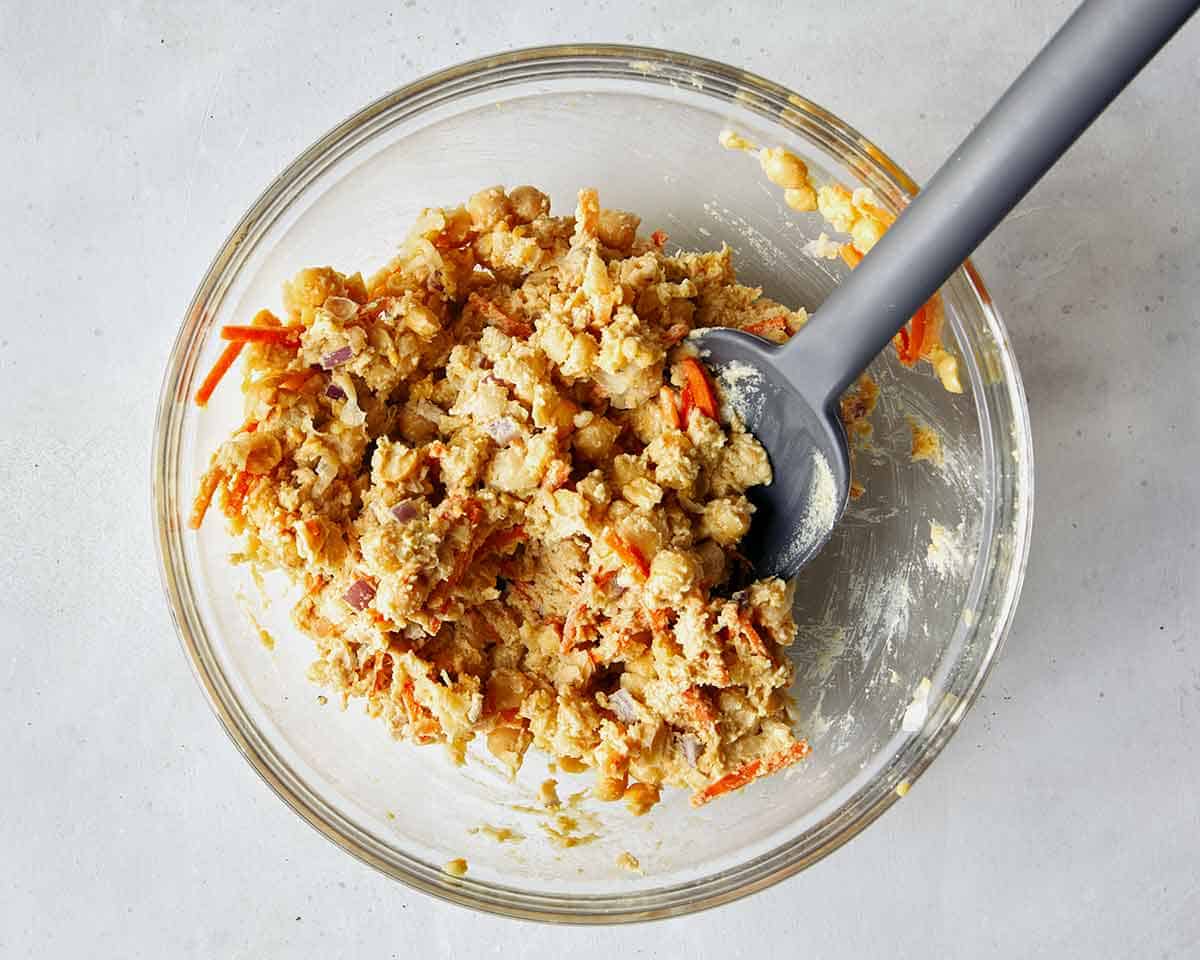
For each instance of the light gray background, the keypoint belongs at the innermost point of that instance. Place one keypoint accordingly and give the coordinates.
(1061, 821)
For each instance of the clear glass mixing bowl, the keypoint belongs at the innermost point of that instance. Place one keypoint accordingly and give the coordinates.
(880, 611)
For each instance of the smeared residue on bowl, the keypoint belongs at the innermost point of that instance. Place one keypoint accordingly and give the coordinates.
(926, 444)
(567, 823)
(499, 834)
(945, 553)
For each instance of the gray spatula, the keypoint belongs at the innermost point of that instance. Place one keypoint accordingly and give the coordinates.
(1087, 63)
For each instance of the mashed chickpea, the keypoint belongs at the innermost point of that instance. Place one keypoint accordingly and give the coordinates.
(497, 470)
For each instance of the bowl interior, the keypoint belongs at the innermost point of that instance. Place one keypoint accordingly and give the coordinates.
(897, 597)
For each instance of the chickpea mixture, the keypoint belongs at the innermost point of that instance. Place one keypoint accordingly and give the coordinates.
(499, 473)
(502, 480)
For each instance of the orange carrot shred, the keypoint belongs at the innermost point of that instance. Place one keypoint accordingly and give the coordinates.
(235, 496)
(916, 346)
(752, 635)
(508, 325)
(702, 392)
(658, 238)
(850, 254)
(289, 336)
(219, 369)
(778, 322)
(686, 403)
(751, 771)
(910, 345)
(208, 486)
(630, 554)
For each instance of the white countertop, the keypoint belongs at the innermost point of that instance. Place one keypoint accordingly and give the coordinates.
(1063, 818)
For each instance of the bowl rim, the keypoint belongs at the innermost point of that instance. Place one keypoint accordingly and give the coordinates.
(633, 63)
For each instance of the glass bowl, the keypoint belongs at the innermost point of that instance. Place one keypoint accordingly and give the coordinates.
(900, 617)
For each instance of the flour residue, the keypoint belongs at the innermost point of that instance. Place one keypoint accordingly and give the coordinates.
(820, 512)
(740, 387)
(945, 554)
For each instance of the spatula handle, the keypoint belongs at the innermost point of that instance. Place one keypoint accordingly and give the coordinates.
(1085, 65)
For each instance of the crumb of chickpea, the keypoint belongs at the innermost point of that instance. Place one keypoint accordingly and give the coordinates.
(640, 797)
(571, 765)
(926, 444)
(610, 789)
(548, 794)
(627, 861)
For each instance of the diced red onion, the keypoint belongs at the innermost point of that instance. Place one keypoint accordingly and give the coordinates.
(504, 430)
(334, 392)
(337, 358)
(404, 511)
(623, 705)
(343, 308)
(360, 594)
(689, 746)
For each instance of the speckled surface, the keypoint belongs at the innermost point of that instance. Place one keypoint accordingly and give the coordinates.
(1062, 820)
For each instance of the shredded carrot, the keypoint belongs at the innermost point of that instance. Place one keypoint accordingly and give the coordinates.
(686, 403)
(289, 336)
(629, 553)
(219, 369)
(702, 392)
(263, 319)
(249, 426)
(602, 578)
(425, 726)
(850, 254)
(917, 327)
(208, 486)
(666, 404)
(752, 635)
(658, 238)
(235, 495)
(778, 322)
(751, 771)
(910, 345)
(383, 672)
(513, 327)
